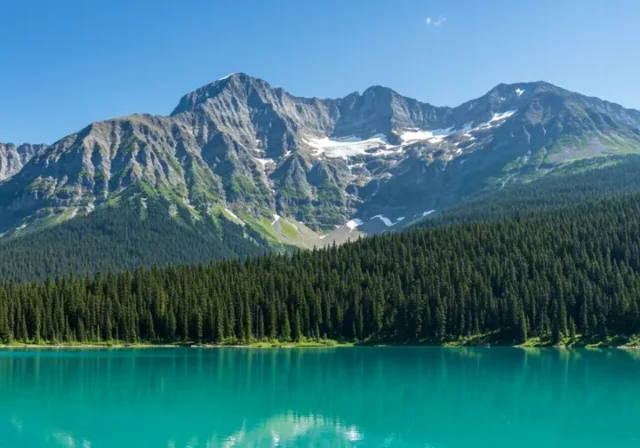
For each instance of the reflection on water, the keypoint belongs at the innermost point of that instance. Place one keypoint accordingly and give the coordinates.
(435, 397)
(288, 430)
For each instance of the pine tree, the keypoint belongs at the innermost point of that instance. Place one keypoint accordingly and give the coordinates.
(286, 327)
(572, 329)
(523, 332)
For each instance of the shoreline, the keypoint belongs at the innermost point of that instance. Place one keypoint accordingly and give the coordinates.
(310, 344)
(117, 345)
(491, 339)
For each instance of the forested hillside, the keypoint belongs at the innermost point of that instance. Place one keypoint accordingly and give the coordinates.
(126, 236)
(571, 275)
(135, 233)
(582, 181)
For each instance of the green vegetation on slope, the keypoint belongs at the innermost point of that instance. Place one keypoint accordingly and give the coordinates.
(575, 183)
(572, 275)
(126, 235)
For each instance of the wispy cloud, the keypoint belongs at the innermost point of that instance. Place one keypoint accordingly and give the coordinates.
(435, 21)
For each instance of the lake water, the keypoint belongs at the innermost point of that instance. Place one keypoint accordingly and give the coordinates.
(364, 397)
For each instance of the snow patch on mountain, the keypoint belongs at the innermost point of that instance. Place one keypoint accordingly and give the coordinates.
(464, 134)
(423, 214)
(500, 117)
(495, 121)
(379, 146)
(264, 162)
(354, 223)
(346, 147)
(433, 136)
(387, 222)
(519, 92)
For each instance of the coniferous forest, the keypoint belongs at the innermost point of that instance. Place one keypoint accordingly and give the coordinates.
(571, 274)
(119, 238)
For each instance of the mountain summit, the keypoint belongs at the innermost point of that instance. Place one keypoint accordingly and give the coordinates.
(309, 171)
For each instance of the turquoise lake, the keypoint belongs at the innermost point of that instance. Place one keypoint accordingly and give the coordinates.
(364, 397)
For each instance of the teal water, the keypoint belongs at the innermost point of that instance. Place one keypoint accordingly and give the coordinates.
(363, 397)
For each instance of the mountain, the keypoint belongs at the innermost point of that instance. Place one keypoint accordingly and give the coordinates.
(307, 171)
(13, 158)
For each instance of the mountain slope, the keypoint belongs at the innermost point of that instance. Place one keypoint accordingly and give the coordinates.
(309, 171)
(535, 129)
(584, 181)
(123, 235)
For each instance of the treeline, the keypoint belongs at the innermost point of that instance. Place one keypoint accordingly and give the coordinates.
(124, 236)
(128, 235)
(573, 272)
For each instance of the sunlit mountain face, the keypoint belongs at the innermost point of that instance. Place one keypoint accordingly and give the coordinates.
(242, 167)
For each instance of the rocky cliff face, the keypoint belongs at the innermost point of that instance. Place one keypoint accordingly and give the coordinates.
(13, 158)
(297, 168)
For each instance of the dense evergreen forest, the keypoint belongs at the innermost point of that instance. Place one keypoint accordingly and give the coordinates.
(573, 274)
(124, 237)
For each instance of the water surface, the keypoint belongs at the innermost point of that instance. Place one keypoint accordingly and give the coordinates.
(363, 397)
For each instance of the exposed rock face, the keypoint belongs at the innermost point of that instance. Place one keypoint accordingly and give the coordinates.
(13, 158)
(240, 144)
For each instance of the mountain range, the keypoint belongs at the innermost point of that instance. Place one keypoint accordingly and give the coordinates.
(281, 170)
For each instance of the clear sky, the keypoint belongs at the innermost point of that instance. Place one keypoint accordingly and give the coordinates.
(66, 63)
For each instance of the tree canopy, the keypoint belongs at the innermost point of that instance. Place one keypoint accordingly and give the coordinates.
(574, 271)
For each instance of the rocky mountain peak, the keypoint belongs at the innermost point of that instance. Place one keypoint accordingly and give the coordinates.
(240, 144)
(234, 85)
(379, 93)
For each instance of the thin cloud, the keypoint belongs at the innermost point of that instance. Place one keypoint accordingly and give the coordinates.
(435, 21)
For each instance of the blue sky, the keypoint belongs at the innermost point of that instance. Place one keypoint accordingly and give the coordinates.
(66, 63)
